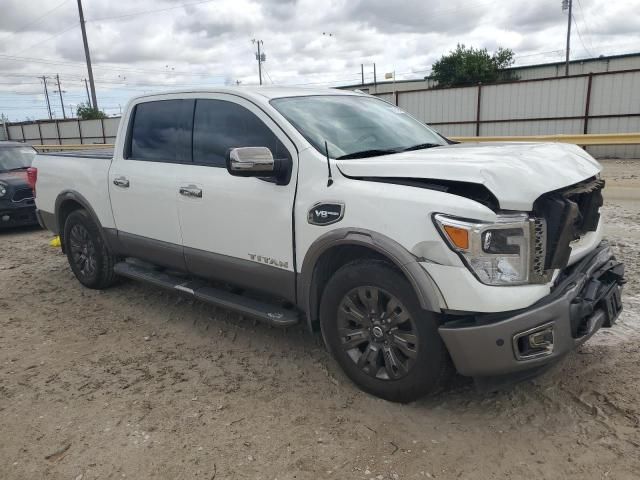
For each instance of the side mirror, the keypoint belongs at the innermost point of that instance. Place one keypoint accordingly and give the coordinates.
(250, 162)
(258, 162)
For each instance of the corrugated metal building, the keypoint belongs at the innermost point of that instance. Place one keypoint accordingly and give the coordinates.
(600, 95)
(546, 70)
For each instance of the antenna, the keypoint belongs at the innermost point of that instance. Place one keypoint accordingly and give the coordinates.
(326, 151)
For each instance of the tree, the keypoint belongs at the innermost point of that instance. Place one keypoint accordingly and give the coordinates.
(87, 112)
(468, 66)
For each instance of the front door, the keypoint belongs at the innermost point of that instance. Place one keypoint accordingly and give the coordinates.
(235, 229)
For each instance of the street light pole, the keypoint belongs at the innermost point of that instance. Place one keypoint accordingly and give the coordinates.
(87, 56)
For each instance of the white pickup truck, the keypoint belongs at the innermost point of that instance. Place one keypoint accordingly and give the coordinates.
(407, 251)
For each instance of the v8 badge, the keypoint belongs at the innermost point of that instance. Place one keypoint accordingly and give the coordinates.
(325, 213)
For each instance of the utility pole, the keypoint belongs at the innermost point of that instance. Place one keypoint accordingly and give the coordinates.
(46, 96)
(362, 73)
(260, 57)
(375, 78)
(86, 87)
(87, 56)
(568, 5)
(64, 114)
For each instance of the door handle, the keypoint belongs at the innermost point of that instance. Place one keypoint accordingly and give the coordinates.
(121, 182)
(191, 191)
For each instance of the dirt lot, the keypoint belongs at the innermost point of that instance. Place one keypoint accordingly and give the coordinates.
(138, 383)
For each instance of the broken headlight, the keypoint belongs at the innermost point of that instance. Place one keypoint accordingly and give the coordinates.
(497, 253)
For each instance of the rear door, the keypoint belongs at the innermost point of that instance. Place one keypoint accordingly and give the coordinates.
(235, 229)
(143, 180)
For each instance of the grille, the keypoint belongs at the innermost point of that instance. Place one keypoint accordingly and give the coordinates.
(569, 213)
(22, 194)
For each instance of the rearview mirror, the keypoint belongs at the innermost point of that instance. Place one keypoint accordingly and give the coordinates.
(250, 162)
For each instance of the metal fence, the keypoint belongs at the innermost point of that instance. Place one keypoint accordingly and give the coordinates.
(605, 102)
(64, 132)
(602, 103)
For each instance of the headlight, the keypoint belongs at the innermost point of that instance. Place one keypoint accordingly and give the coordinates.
(3, 190)
(509, 251)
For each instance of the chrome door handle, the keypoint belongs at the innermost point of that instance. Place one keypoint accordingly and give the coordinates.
(191, 191)
(121, 182)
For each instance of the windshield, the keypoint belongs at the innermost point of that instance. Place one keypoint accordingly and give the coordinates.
(355, 126)
(15, 158)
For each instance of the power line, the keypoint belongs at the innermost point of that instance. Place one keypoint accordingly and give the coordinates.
(33, 22)
(46, 39)
(148, 12)
(51, 61)
(580, 37)
(586, 25)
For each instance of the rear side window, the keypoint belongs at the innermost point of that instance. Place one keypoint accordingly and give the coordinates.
(219, 125)
(161, 131)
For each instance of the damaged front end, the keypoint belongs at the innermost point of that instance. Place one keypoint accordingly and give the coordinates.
(568, 214)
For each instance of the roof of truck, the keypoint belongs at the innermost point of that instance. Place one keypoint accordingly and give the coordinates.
(269, 92)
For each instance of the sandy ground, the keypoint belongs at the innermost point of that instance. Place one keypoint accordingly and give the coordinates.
(138, 383)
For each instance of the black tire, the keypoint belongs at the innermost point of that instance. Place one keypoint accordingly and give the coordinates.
(409, 352)
(89, 257)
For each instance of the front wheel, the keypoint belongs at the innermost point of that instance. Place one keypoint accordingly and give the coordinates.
(384, 341)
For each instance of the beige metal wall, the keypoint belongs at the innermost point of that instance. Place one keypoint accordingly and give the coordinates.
(65, 132)
(538, 107)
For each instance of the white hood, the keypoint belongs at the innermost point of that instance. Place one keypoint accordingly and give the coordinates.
(517, 173)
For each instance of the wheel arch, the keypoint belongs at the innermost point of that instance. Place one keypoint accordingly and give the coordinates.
(333, 249)
(68, 202)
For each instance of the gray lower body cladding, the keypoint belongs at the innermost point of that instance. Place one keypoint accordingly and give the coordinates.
(586, 298)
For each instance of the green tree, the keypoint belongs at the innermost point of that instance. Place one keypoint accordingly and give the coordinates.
(467, 66)
(87, 112)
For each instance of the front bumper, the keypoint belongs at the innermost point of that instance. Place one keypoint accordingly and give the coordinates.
(586, 297)
(17, 214)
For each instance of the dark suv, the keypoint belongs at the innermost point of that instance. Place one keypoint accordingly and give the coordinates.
(17, 205)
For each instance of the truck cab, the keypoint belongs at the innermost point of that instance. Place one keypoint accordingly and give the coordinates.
(408, 252)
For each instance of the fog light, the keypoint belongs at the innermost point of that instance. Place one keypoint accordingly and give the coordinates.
(6, 218)
(534, 343)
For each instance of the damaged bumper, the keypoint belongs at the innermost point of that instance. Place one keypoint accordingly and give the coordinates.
(585, 298)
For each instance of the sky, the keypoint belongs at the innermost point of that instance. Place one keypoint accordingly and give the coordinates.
(154, 45)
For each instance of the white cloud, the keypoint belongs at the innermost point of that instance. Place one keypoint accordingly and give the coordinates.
(155, 44)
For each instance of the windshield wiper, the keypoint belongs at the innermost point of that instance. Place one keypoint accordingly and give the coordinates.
(16, 169)
(367, 153)
(420, 146)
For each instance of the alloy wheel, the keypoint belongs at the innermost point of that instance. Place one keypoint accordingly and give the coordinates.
(83, 250)
(378, 333)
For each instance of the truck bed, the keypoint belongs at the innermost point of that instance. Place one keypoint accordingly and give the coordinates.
(102, 153)
(81, 173)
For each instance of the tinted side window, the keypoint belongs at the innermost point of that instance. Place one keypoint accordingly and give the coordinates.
(161, 131)
(219, 125)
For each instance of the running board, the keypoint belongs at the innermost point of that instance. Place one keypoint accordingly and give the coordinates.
(262, 311)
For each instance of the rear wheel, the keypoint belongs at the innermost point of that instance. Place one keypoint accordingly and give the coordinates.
(374, 326)
(88, 256)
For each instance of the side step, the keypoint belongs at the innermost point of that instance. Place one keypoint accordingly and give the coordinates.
(262, 311)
